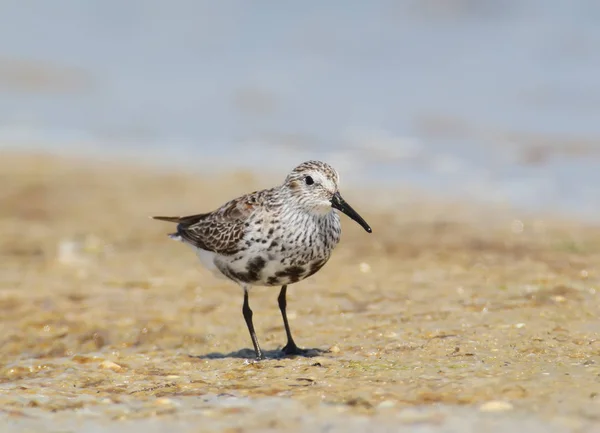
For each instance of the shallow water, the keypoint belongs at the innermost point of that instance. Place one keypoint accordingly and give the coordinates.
(488, 100)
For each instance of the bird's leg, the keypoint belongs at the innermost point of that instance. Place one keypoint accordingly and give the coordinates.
(248, 318)
(290, 348)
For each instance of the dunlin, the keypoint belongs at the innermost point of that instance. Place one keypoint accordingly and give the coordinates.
(273, 237)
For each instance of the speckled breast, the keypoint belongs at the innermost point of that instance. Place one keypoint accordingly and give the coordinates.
(287, 257)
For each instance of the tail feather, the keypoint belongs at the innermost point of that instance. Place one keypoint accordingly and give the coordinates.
(184, 220)
(166, 218)
(175, 236)
(184, 227)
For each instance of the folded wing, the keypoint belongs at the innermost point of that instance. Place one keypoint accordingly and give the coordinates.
(220, 231)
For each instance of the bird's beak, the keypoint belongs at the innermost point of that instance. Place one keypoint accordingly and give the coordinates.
(338, 202)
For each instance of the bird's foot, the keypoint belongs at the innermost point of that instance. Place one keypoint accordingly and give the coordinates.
(292, 349)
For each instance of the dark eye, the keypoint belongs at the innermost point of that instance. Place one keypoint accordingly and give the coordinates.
(309, 180)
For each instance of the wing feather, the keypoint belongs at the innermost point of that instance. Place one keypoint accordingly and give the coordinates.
(220, 231)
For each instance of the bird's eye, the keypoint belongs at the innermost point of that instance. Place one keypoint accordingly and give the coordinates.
(309, 180)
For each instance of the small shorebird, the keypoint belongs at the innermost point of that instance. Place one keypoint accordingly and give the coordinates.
(273, 237)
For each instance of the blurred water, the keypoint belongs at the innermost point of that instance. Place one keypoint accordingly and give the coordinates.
(491, 99)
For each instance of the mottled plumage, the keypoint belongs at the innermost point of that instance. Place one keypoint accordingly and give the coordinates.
(273, 237)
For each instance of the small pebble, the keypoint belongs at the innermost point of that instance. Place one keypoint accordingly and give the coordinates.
(82, 359)
(69, 252)
(163, 401)
(365, 268)
(495, 406)
(386, 404)
(334, 349)
(109, 365)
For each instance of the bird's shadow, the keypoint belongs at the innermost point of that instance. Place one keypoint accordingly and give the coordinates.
(269, 354)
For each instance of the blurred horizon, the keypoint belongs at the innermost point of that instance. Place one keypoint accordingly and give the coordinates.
(489, 100)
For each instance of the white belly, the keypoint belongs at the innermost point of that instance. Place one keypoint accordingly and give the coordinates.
(207, 258)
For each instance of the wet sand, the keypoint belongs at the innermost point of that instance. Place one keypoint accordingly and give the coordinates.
(448, 316)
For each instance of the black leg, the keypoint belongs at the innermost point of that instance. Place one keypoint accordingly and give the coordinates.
(290, 348)
(248, 318)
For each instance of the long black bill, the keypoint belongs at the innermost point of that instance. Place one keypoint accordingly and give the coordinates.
(338, 202)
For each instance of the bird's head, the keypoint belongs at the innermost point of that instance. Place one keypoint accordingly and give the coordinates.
(313, 185)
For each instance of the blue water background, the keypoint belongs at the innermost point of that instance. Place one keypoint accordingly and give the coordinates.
(494, 100)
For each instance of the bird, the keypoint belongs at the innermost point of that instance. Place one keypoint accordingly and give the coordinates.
(273, 237)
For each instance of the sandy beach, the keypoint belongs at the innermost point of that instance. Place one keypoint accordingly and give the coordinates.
(447, 318)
